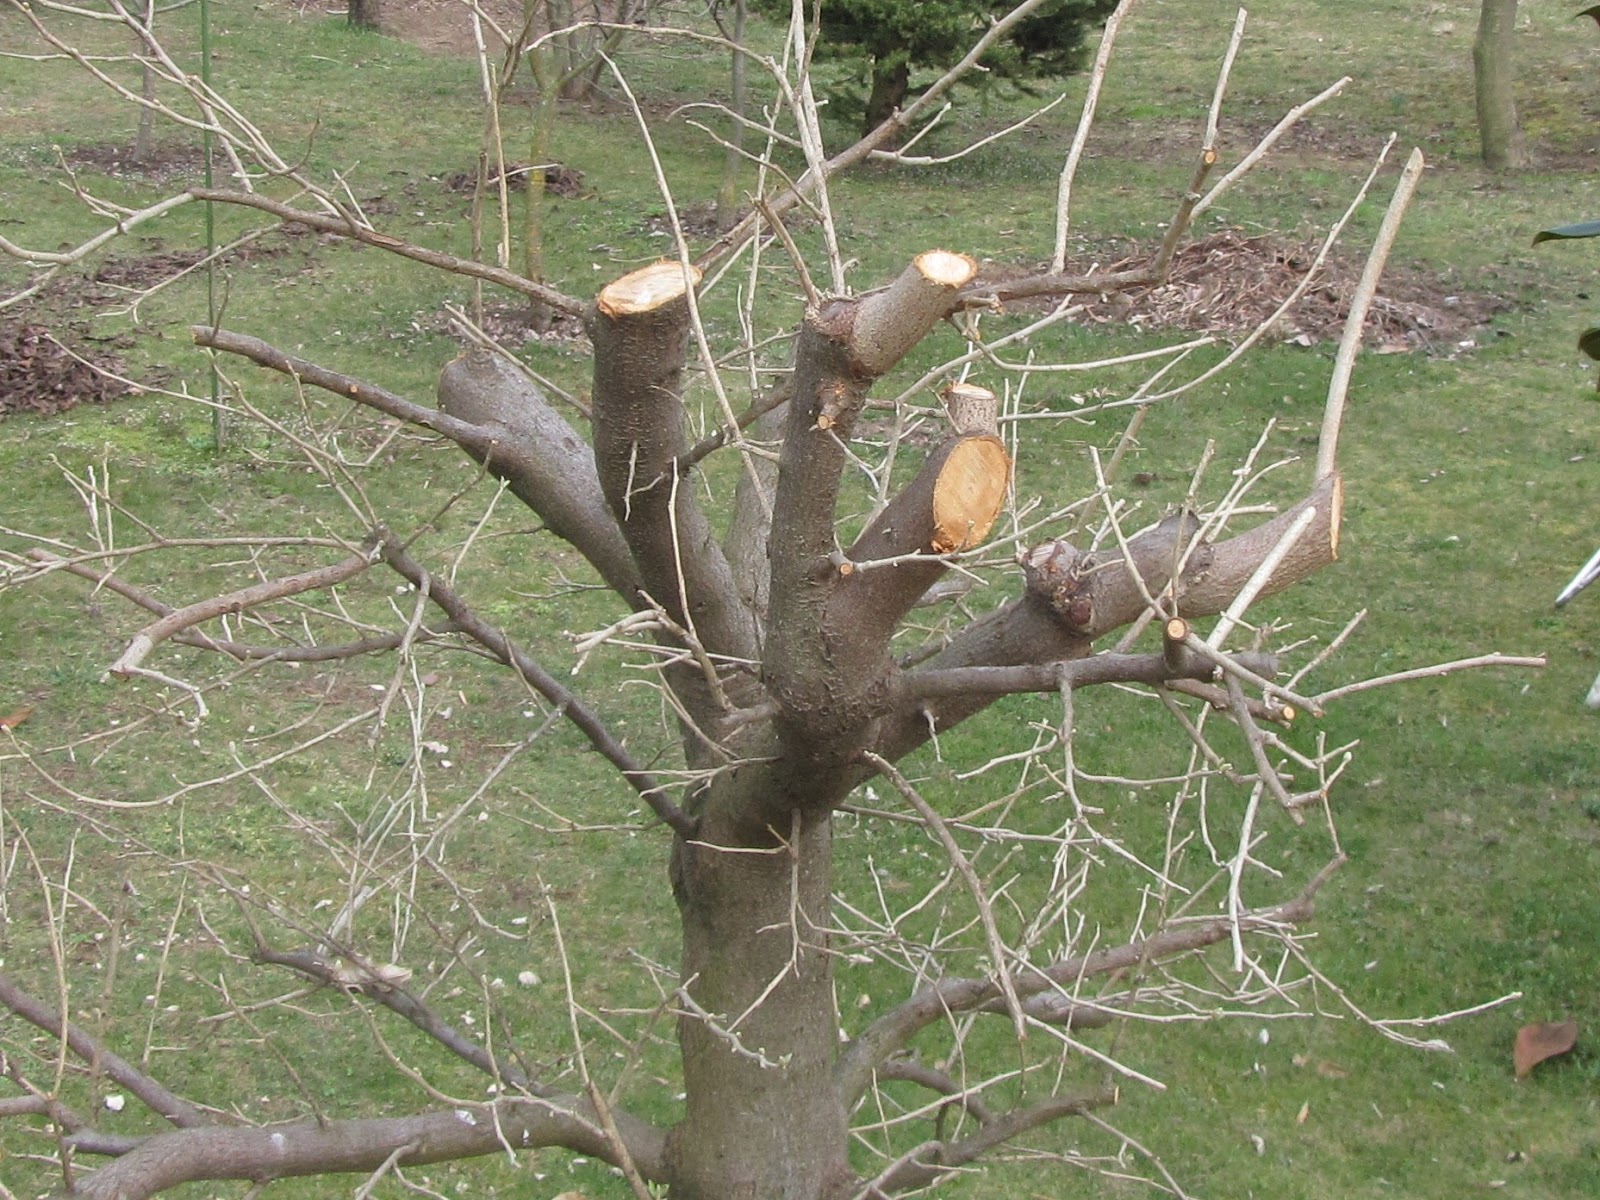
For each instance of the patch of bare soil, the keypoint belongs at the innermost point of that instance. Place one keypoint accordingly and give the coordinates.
(559, 180)
(513, 325)
(1229, 283)
(167, 162)
(41, 374)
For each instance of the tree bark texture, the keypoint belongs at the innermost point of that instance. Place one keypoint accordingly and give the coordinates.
(1495, 76)
(762, 1118)
(891, 80)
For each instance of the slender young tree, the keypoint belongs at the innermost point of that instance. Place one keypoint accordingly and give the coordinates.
(1495, 77)
(820, 576)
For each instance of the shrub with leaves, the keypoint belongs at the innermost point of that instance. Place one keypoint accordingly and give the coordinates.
(1589, 339)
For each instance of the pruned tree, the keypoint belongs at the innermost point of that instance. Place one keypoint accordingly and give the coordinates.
(814, 621)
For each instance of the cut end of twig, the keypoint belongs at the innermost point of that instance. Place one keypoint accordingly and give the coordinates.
(969, 493)
(647, 289)
(974, 410)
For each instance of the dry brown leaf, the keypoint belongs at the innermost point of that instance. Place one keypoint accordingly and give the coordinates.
(1542, 1040)
(1305, 1111)
(12, 720)
(1331, 1070)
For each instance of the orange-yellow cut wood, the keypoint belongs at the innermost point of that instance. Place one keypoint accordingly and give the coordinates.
(969, 494)
(646, 289)
(946, 268)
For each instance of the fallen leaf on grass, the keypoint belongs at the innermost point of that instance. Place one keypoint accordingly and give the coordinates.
(1542, 1040)
(12, 720)
(1305, 1111)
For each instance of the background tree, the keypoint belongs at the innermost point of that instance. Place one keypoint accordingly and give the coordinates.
(803, 640)
(364, 14)
(898, 37)
(1495, 77)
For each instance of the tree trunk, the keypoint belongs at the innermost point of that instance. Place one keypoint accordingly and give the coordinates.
(763, 1119)
(891, 79)
(732, 160)
(542, 61)
(1494, 73)
(363, 14)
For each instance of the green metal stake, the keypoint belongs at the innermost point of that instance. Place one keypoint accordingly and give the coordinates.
(219, 423)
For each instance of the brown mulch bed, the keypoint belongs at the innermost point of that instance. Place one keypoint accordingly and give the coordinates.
(40, 374)
(167, 162)
(559, 180)
(1230, 283)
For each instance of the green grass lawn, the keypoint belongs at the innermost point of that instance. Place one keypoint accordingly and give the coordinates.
(1471, 814)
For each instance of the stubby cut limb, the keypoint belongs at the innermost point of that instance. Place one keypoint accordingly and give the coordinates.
(1094, 592)
(973, 410)
(640, 331)
(969, 493)
(647, 289)
(889, 323)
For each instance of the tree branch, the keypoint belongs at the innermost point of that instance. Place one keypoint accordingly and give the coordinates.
(471, 437)
(241, 651)
(890, 1032)
(907, 1070)
(640, 328)
(498, 644)
(308, 1148)
(935, 1161)
(370, 237)
(156, 1097)
(398, 1000)
(547, 464)
(181, 619)
(914, 687)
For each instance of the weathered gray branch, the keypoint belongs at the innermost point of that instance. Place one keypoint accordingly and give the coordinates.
(400, 1001)
(243, 651)
(346, 228)
(937, 1160)
(1073, 597)
(548, 466)
(1153, 669)
(179, 620)
(470, 437)
(501, 647)
(151, 1093)
(308, 1148)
